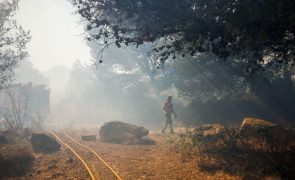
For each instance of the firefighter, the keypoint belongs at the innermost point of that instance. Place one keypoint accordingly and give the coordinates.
(168, 110)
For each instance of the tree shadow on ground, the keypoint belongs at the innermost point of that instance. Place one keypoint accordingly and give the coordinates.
(250, 164)
(15, 166)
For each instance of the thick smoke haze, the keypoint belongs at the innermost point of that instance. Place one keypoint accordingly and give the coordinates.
(122, 88)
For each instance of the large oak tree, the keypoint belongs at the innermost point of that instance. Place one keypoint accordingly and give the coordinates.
(258, 32)
(257, 35)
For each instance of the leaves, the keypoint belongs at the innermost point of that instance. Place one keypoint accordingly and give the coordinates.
(13, 40)
(224, 27)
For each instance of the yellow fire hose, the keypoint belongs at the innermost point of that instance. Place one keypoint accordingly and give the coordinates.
(74, 152)
(109, 167)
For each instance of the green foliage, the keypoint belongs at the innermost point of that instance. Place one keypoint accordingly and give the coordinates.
(205, 79)
(13, 40)
(260, 33)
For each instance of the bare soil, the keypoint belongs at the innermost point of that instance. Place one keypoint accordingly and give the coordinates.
(158, 161)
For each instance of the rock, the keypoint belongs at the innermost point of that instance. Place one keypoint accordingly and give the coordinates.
(210, 136)
(27, 133)
(252, 126)
(3, 139)
(70, 160)
(147, 141)
(88, 138)
(122, 133)
(210, 130)
(263, 135)
(44, 143)
(13, 136)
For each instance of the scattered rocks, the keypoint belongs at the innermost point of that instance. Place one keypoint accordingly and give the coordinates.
(122, 133)
(44, 143)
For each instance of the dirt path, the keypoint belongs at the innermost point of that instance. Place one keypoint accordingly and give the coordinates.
(99, 170)
(157, 161)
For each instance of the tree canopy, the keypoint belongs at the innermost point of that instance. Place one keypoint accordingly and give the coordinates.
(13, 40)
(258, 32)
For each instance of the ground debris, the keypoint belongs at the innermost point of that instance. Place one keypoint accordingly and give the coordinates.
(256, 150)
(44, 143)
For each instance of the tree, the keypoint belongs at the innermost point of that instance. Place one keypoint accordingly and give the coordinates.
(14, 110)
(206, 79)
(261, 33)
(228, 91)
(13, 40)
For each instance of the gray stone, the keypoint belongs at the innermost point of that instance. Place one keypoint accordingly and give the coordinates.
(211, 136)
(263, 135)
(122, 133)
(3, 139)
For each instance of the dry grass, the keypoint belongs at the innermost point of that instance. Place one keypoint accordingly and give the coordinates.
(158, 161)
(227, 155)
(172, 157)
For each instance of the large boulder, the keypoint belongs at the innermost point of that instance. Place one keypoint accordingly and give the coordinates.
(263, 135)
(210, 136)
(44, 143)
(122, 133)
(253, 127)
(210, 130)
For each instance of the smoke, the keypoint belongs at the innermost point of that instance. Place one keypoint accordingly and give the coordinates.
(124, 87)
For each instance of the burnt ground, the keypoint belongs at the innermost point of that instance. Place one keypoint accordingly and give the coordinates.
(18, 162)
(158, 161)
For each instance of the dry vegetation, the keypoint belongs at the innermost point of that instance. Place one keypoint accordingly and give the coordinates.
(158, 161)
(172, 157)
(19, 161)
(230, 153)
